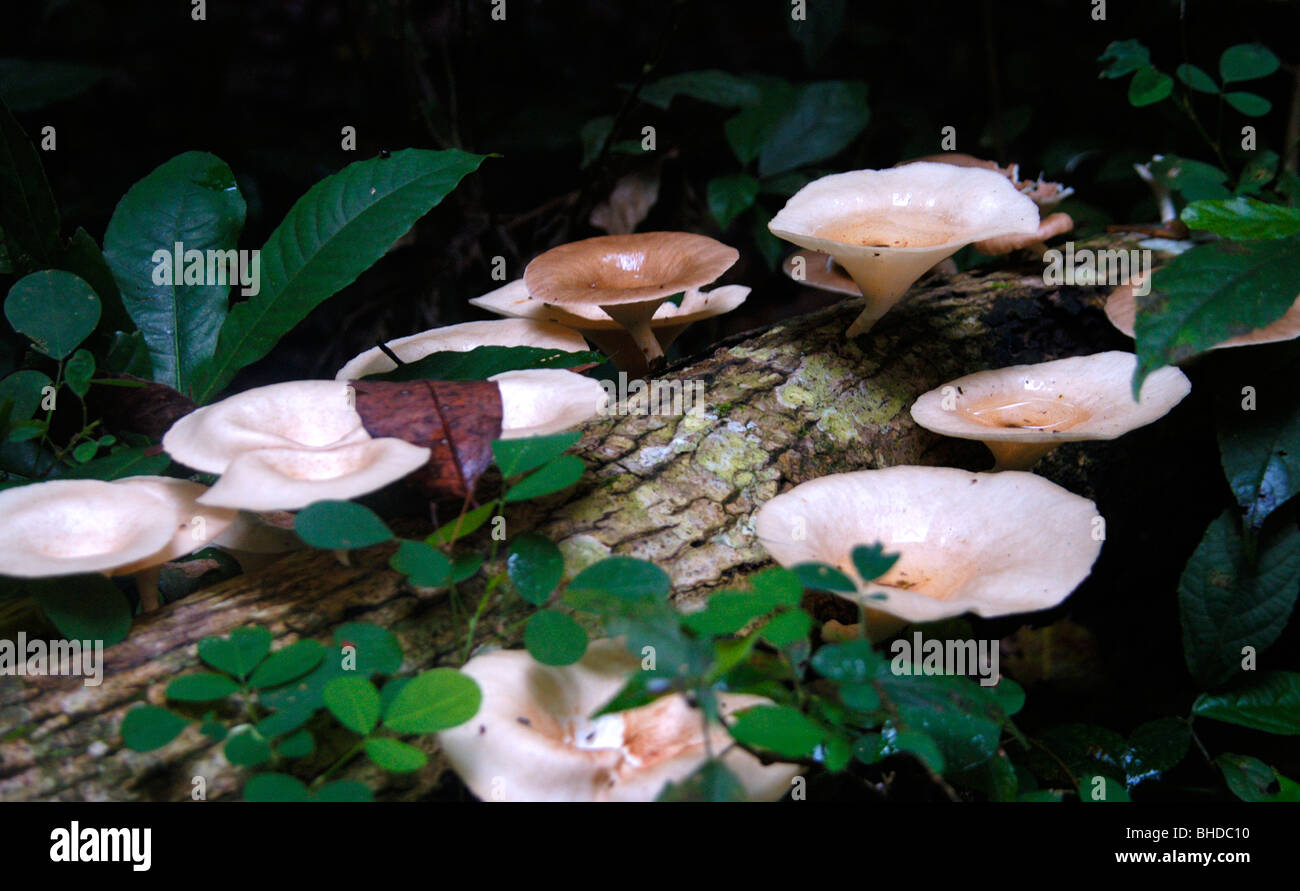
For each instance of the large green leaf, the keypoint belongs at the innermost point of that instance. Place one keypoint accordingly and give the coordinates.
(329, 237)
(730, 196)
(824, 119)
(961, 717)
(1227, 603)
(1213, 293)
(1270, 701)
(56, 310)
(713, 86)
(192, 201)
(29, 217)
(1243, 218)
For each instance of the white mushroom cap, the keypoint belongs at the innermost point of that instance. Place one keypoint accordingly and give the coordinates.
(250, 533)
(288, 479)
(292, 415)
(67, 527)
(987, 543)
(533, 738)
(887, 227)
(197, 524)
(462, 338)
(1024, 411)
(541, 401)
(1121, 309)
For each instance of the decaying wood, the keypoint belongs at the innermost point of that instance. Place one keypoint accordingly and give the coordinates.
(785, 405)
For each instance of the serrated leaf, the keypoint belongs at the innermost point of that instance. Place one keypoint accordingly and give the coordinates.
(56, 310)
(331, 235)
(354, 701)
(1268, 701)
(191, 200)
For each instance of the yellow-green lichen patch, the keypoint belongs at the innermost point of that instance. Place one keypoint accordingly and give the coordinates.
(581, 551)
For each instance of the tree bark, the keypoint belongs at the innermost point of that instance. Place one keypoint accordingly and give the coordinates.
(781, 406)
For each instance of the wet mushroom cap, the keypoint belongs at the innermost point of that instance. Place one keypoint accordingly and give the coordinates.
(293, 415)
(1067, 400)
(66, 527)
(542, 401)
(988, 543)
(614, 270)
(197, 524)
(289, 479)
(462, 338)
(1121, 309)
(534, 739)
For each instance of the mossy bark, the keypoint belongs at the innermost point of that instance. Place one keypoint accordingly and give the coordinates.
(781, 406)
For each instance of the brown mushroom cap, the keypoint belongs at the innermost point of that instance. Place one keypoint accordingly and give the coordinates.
(1121, 309)
(820, 271)
(987, 543)
(534, 739)
(1052, 225)
(1024, 411)
(462, 338)
(67, 527)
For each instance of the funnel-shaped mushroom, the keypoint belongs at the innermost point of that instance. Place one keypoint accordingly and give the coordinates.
(668, 322)
(628, 277)
(1024, 411)
(542, 401)
(990, 544)
(887, 227)
(534, 739)
(462, 338)
(1121, 309)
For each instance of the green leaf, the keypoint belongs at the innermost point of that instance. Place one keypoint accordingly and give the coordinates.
(1258, 172)
(787, 629)
(1252, 780)
(83, 607)
(344, 790)
(554, 638)
(561, 473)
(78, 371)
(362, 650)
(821, 577)
(191, 200)
(1194, 180)
(1156, 747)
(275, 787)
(1009, 695)
(1270, 701)
(394, 755)
(483, 362)
(340, 525)
(354, 701)
(1249, 104)
(332, 234)
(300, 745)
(779, 729)
(922, 746)
(625, 578)
(963, 719)
(123, 463)
(1196, 78)
(238, 654)
(247, 748)
(779, 583)
(1242, 218)
(26, 390)
(433, 700)
(817, 30)
(1247, 61)
(1213, 293)
(465, 565)
(29, 218)
(719, 88)
(201, 687)
(1125, 57)
(516, 456)
(535, 566)
(854, 662)
(149, 727)
(424, 565)
(1228, 603)
(730, 196)
(463, 525)
(872, 562)
(710, 782)
(56, 310)
(1260, 449)
(727, 612)
(593, 135)
(823, 120)
(1084, 749)
(288, 663)
(1148, 87)
(1098, 787)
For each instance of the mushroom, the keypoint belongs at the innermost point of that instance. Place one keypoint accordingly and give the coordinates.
(668, 322)
(1040, 191)
(887, 227)
(989, 544)
(534, 739)
(1051, 226)
(820, 271)
(1121, 309)
(257, 539)
(128, 527)
(463, 338)
(628, 277)
(542, 401)
(1022, 412)
(289, 479)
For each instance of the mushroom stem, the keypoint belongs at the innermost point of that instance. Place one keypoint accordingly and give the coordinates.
(620, 349)
(341, 555)
(873, 312)
(146, 583)
(635, 317)
(1018, 455)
